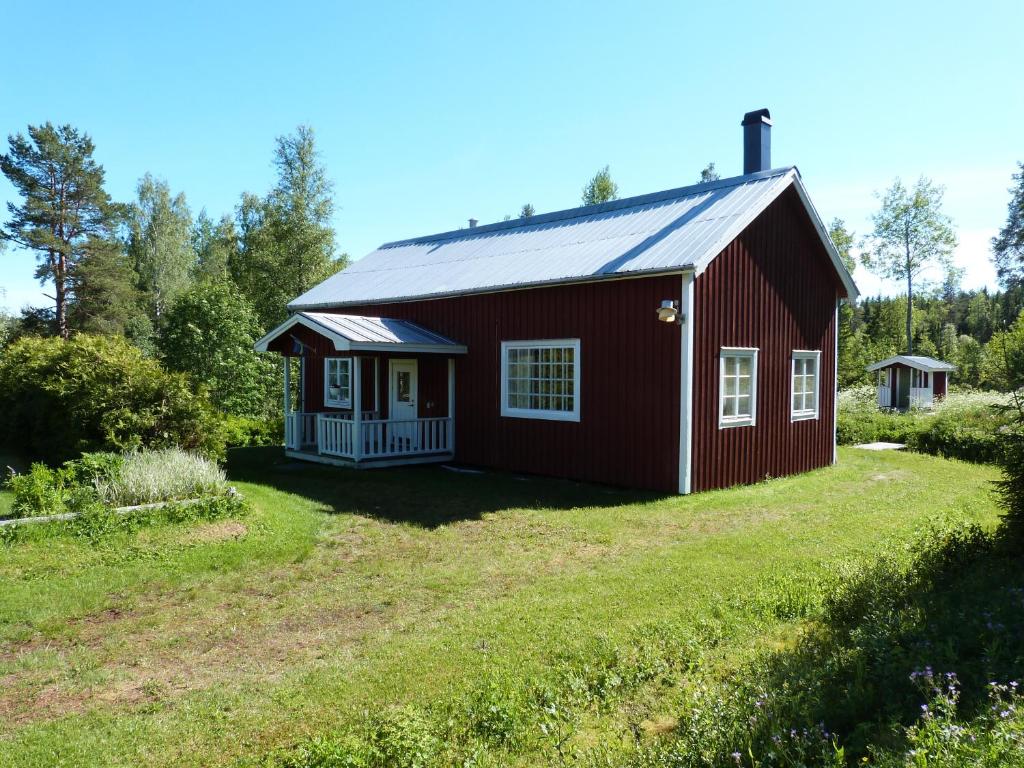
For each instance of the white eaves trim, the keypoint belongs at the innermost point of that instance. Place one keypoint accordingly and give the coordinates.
(921, 363)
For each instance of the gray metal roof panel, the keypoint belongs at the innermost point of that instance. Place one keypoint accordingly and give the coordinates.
(665, 231)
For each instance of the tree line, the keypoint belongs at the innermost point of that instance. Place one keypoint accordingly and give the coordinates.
(193, 291)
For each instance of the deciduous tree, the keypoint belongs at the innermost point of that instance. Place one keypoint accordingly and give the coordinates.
(160, 244)
(64, 211)
(601, 188)
(709, 174)
(286, 239)
(911, 235)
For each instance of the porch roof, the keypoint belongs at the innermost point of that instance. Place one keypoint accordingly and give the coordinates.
(358, 333)
(920, 362)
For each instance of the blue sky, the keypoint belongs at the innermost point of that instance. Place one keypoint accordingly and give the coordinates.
(430, 113)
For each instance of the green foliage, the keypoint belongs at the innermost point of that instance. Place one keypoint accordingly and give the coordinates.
(215, 245)
(160, 245)
(526, 211)
(1008, 246)
(286, 243)
(965, 425)
(709, 174)
(911, 235)
(601, 188)
(209, 334)
(65, 212)
(61, 398)
(246, 432)
(40, 491)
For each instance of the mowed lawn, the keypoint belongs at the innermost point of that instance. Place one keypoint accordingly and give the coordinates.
(341, 591)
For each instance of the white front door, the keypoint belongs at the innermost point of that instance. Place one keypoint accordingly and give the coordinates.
(402, 389)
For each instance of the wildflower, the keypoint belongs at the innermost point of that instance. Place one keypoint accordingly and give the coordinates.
(737, 756)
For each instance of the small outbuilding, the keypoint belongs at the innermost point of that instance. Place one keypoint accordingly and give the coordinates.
(906, 381)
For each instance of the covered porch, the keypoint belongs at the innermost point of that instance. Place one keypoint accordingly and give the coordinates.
(366, 391)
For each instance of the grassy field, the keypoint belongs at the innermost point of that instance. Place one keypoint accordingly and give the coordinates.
(342, 591)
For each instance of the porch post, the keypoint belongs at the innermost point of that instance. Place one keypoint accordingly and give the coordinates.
(289, 438)
(451, 404)
(357, 407)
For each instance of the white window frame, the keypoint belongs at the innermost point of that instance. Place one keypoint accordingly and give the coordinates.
(806, 413)
(328, 401)
(536, 413)
(726, 422)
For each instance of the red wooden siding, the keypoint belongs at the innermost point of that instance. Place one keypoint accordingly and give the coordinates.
(939, 388)
(629, 388)
(772, 288)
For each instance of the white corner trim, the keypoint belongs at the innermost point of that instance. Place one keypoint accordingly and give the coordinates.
(686, 386)
(531, 413)
(835, 388)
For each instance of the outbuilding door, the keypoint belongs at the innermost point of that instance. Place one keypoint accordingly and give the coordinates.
(903, 388)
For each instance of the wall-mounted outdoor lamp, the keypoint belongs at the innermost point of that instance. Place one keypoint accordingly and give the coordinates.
(669, 312)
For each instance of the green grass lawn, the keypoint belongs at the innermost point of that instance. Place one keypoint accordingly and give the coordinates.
(340, 591)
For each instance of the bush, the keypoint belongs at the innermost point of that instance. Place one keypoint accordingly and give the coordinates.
(91, 393)
(141, 477)
(246, 432)
(964, 425)
(169, 474)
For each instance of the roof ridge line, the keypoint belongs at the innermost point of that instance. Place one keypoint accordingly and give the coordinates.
(589, 210)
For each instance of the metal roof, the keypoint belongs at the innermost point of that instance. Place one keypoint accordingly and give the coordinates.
(354, 333)
(920, 362)
(676, 230)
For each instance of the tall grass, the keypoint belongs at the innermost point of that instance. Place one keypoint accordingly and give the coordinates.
(161, 475)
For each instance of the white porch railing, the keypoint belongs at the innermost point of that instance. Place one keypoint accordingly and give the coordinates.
(334, 434)
(921, 397)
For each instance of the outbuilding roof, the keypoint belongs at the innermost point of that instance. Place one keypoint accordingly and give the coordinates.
(920, 362)
(676, 230)
(354, 333)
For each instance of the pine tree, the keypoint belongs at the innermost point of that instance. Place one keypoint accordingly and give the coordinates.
(65, 211)
(1008, 246)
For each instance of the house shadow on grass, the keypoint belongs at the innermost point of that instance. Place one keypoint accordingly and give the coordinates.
(424, 495)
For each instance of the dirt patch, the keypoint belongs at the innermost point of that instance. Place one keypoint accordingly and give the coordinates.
(208, 533)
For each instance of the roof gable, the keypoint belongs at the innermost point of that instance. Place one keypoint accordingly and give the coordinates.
(676, 230)
(921, 362)
(355, 333)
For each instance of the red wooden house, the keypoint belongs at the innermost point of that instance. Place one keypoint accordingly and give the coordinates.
(678, 341)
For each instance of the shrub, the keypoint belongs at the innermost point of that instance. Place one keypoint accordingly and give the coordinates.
(964, 425)
(168, 474)
(40, 491)
(60, 398)
(246, 432)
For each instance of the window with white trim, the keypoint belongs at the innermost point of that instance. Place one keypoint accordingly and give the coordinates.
(805, 384)
(338, 382)
(737, 387)
(541, 379)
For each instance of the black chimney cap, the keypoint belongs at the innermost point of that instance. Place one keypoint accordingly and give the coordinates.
(757, 116)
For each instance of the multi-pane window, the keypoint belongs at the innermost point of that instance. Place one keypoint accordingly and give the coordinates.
(338, 382)
(541, 379)
(805, 384)
(918, 379)
(737, 387)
